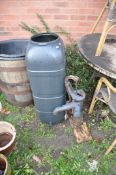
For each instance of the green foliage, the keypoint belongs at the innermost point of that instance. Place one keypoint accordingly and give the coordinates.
(67, 130)
(44, 131)
(7, 105)
(46, 27)
(106, 124)
(37, 29)
(75, 161)
(76, 66)
(61, 31)
(70, 161)
(33, 30)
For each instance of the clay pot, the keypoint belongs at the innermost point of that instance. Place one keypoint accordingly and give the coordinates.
(4, 166)
(7, 137)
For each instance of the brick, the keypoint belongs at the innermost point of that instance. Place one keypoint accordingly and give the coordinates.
(91, 18)
(84, 24)
(4, 33)
(95, 5)
(34, 10)
(62, 17)
(77, 4)
(87, 11)
(69, 11)
(52, 10)
(8, 17)
(1, 29)
(77, 17)
(61, 4)
(12, 29)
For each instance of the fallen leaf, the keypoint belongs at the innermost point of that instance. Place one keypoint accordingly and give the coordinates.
(5, 111)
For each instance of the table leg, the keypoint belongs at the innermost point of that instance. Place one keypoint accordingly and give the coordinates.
(95, 75)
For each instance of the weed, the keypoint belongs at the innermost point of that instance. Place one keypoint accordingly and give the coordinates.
(106, 124)
(67, 130)
(76, 66)
(7, 105)
(44, 131)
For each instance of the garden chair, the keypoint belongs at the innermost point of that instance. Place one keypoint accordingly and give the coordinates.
(106, 94)
(109, 24)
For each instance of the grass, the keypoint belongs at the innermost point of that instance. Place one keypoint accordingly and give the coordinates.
(70, 161)
(106, 124)
(35, 139)
(73, 160)
(67, 130)
(76, 66)
(45, 131)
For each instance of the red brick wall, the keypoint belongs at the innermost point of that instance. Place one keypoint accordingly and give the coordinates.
(75, 16)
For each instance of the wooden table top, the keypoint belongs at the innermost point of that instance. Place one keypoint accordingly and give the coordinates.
(106, 62)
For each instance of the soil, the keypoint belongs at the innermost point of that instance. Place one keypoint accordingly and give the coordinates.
(62, 137)
(62, 140)
(5, 138)
(57, 143)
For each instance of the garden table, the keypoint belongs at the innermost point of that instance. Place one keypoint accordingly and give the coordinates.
(106, 62)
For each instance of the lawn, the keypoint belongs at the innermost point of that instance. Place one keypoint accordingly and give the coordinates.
(44, 150)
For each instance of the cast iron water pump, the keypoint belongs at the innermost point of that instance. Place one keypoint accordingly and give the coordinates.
(76, 98)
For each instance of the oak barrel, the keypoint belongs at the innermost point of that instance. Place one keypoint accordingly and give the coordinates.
(14, 81)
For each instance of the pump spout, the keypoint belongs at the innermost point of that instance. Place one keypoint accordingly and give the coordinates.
(74, 106)
(65, 107)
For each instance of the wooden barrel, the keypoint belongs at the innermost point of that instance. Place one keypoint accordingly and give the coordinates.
(14, 81)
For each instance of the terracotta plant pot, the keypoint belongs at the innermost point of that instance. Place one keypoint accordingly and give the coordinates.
(4, 166)
(7, 137)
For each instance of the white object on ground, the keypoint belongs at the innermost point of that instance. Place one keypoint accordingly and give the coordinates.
(93, 165)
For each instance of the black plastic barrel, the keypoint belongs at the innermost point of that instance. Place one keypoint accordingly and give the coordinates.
(14, 81)
(46, 69)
